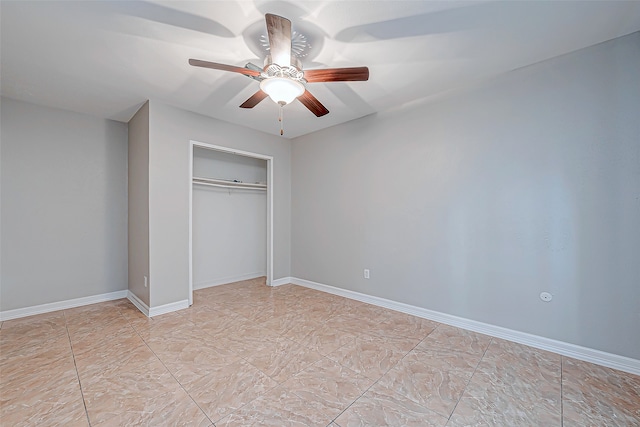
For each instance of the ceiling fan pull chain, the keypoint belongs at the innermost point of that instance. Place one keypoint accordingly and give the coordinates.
(281, 119)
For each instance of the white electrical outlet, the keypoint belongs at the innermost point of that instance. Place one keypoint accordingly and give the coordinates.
(366, 273)
(546, 296)
(146, 281)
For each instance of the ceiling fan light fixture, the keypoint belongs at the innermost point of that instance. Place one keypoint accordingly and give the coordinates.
(282, 90)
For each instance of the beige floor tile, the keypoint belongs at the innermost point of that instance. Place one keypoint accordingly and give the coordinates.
(161, 325)
(453, 338)
(382, 407)
(92, 370)
(361, 310)
(170, 408)
(40, 323)
(47, 410)
(283, 323)
(262, 311)
(50, 397)
(201, 315)
(320, 337)
(281, 358)
(403, 344)
(91, 317)
(130, 311)
(197, 360)
(16, 344)
(63, 380)
(228, 388)
(168, 345)
(220, 323)
(320, 359)
(595, 395)
(244, 337)
(371, 357)
(490, 407)
(322, 309)
(520, 380)
(434, 379)
(353, 324)
(459, 362)
(506, 393)
(137, 397)
(91, 340)
(92, 324)
(330, 383)
(506, 353)
(280, 408)
(115, 352)
(47, 359)
(397, 324)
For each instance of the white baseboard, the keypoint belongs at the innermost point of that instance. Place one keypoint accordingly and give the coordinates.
(226, 280)
(156, 311)
(60, 305)
(168, 308)
(282, 281)
(586, 354)
(144, 308)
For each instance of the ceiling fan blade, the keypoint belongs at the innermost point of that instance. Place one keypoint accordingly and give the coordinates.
(312, 103)
(279, 32)
(254, 100)
(353, 74)
(223, 67)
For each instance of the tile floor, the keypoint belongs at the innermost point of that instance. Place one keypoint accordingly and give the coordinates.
(245, 354)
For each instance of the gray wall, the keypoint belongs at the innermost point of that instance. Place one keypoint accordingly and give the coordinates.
(139, 203)
(475, 204)
(64, 205)
(170, 130)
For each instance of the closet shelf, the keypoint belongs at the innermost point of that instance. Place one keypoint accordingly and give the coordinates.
(229, 184)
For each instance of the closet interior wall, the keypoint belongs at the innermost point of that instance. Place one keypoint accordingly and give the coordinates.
(229, 234)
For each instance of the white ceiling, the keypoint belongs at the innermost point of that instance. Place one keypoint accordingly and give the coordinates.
(107, 58)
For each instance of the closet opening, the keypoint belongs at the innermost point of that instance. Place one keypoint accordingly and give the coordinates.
(230, 216)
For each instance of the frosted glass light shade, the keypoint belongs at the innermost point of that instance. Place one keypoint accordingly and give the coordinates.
(282, 89)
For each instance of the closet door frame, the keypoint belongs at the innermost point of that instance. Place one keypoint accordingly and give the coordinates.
(269, 159)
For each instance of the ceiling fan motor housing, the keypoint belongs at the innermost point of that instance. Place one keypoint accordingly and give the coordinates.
(290, 72)
(295, 62)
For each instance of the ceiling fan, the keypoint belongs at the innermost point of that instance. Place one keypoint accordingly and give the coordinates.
(282, 77)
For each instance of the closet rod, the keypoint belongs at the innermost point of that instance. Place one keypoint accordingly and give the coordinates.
(229, 184)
